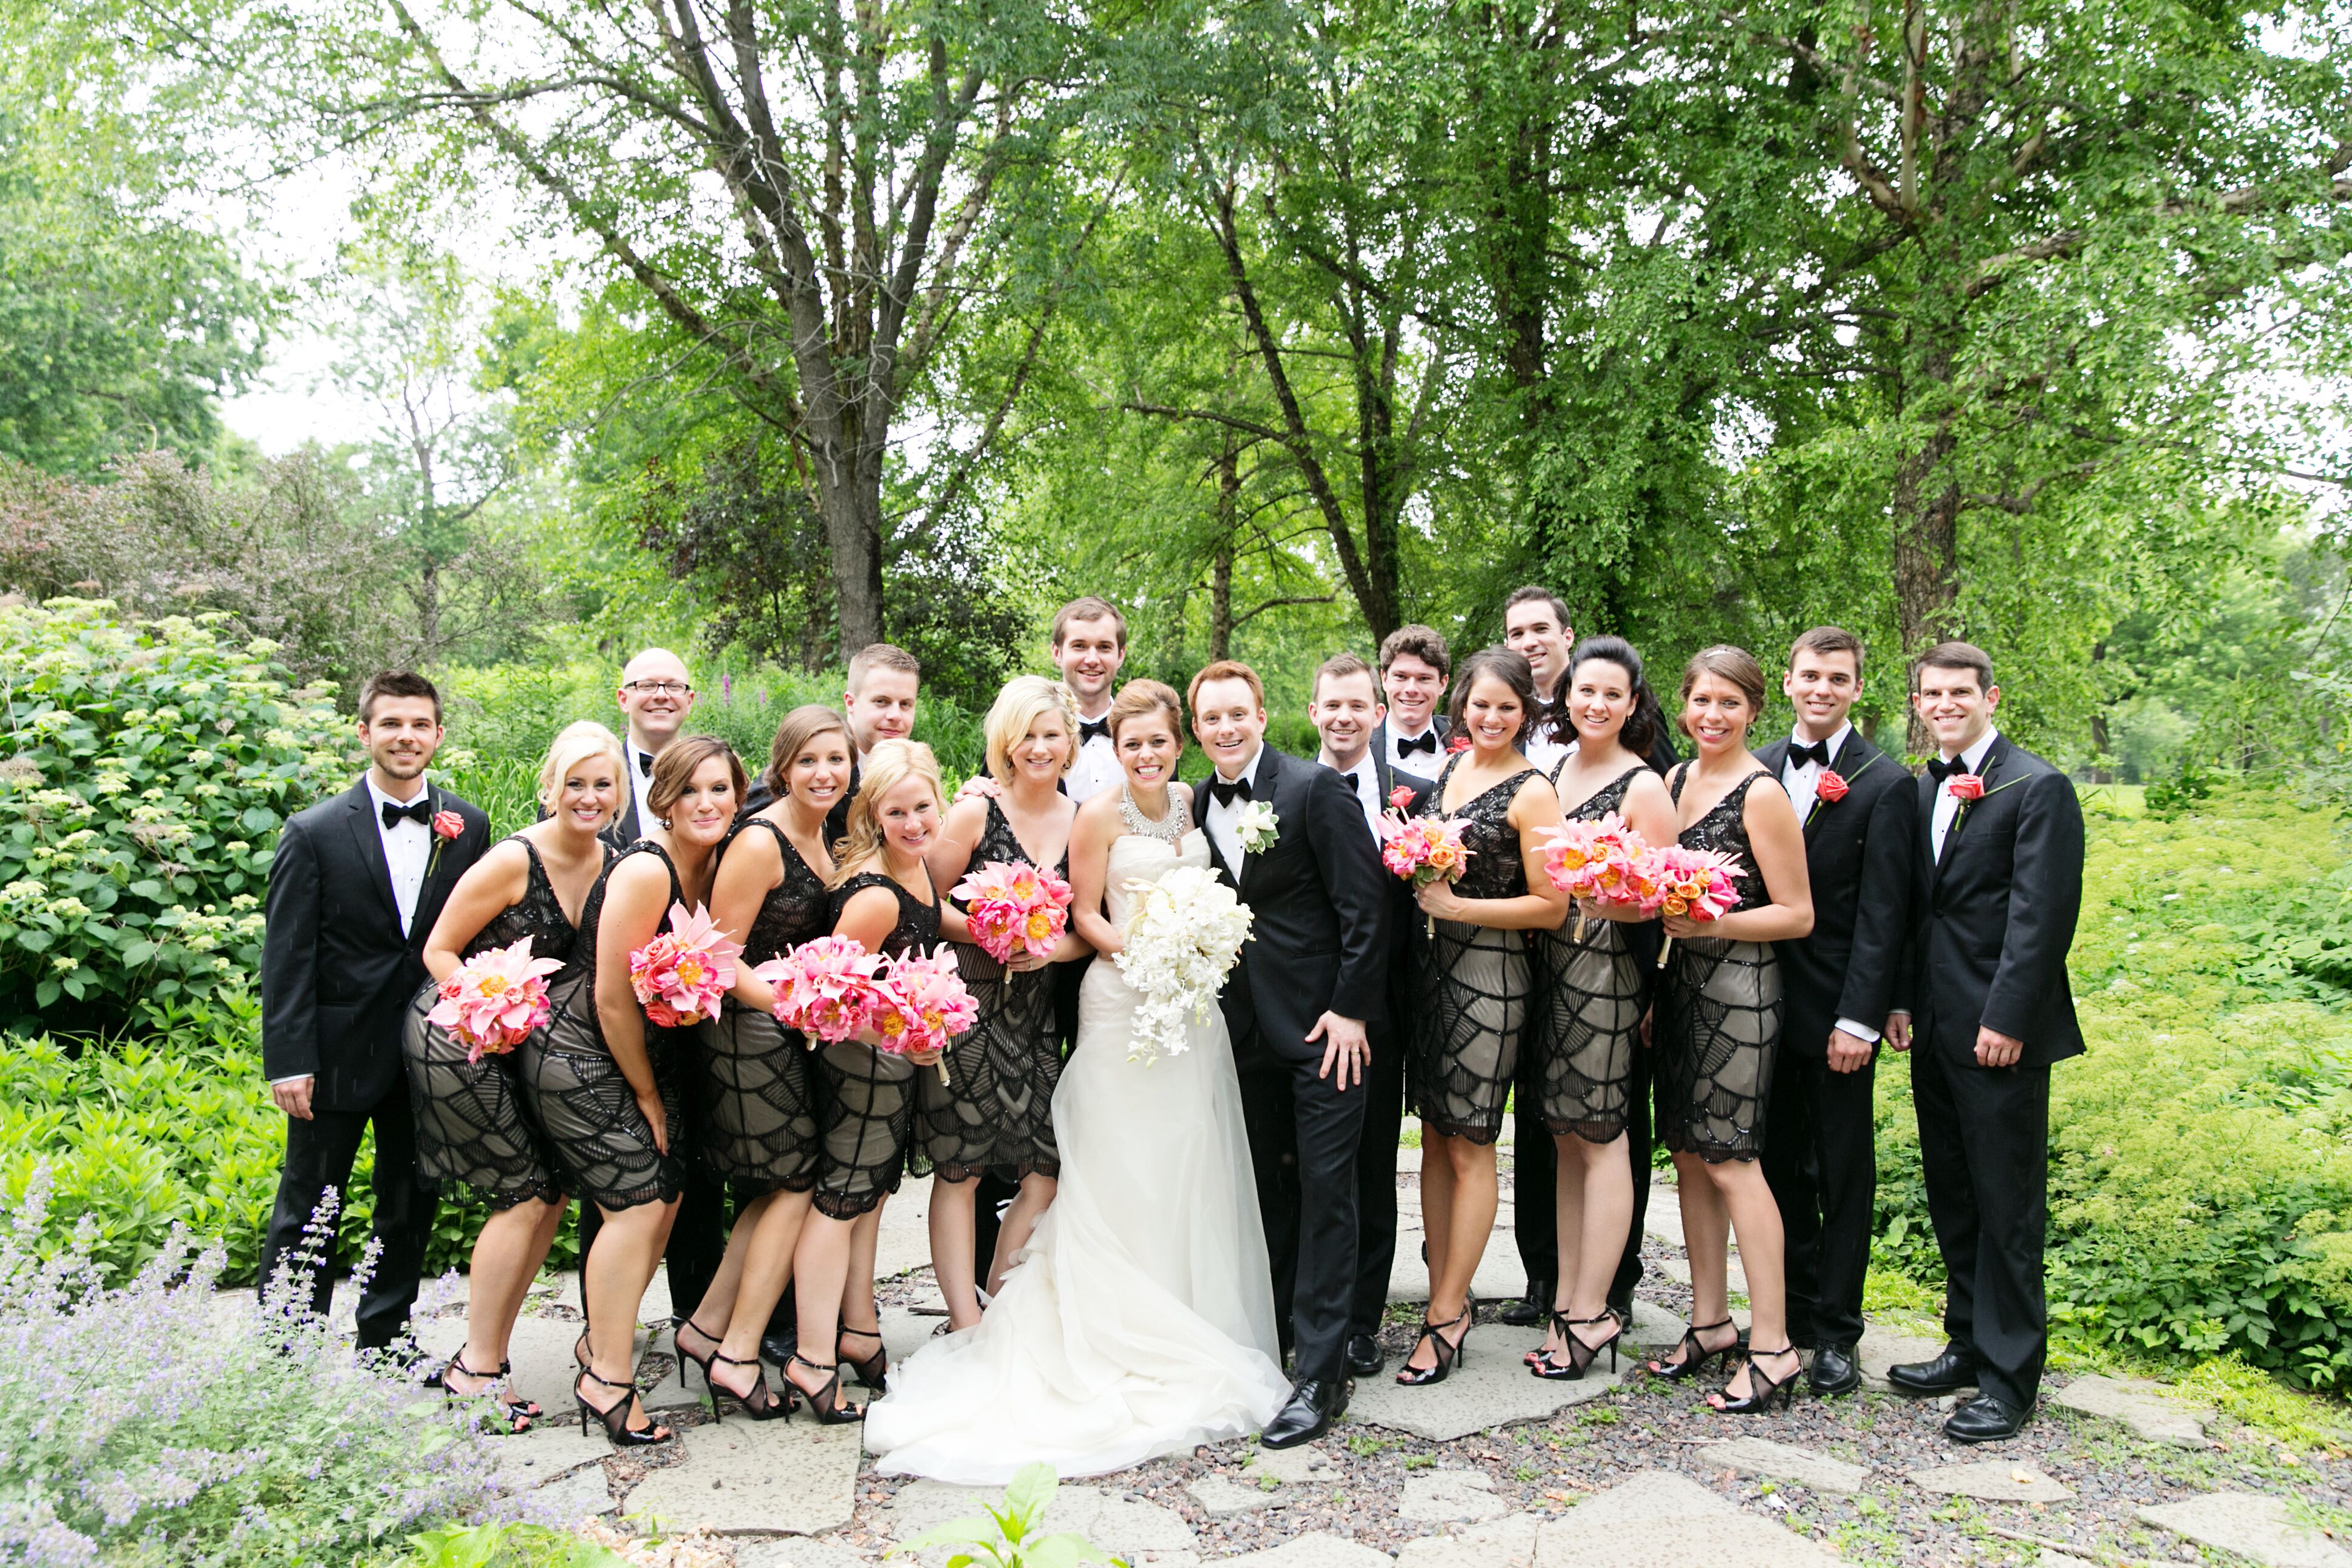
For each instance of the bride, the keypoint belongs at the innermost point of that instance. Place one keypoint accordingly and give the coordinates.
(1140, 1321)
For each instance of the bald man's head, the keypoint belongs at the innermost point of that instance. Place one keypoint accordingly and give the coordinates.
(657, 694)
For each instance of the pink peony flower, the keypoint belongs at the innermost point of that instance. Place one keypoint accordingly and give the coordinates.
(495, 999)
(681, 973)
(825, 987)
(1013, 907)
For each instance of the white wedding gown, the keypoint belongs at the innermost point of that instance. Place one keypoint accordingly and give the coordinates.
(1139, 1319)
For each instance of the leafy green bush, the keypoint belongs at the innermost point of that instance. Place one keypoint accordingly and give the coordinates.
(145, 769)
(1012, 1535)
(2201, 1151)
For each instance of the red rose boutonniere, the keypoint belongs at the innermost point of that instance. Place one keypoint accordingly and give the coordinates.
(1401, 797)
(1458, 741)
(1832, 786)
(1966, 787)
(446, 826)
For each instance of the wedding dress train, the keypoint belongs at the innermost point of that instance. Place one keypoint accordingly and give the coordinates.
(1139, 1319)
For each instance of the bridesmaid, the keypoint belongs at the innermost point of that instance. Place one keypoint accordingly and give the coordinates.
(1591, 999)
(472, 1125)
(1719, 1028)
(997, 1109)
(610, 1085)
(1473, 987)
(884, 898)
(758, 1124)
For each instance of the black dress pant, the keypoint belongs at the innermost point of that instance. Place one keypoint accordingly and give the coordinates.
(697, 1237)
(1376, 1179)
(1820, 1161)
(1303, 1136)
(1984, 1136)
(320, 1154)
(1535, 1164)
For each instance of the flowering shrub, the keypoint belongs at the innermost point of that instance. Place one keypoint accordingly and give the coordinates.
(145, 769)
(151, 1423)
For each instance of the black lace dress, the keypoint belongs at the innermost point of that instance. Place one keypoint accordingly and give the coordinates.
(1719, 1024)
(868, 1101)
(1472, 991)
(756, 1091)
(472, 1123)
(600, 1137)
(1590, 997)
(997, 1107)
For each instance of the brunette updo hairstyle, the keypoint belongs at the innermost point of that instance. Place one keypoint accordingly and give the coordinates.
(1645, 724)
(674, 769)
(1724, 662)
(1499, 664)
(1141, 697)
(801, 725)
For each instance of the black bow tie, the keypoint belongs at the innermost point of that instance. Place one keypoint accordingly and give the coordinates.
(1226, 794)
(1818, 753)
(418, 811)
(1424, 742)
(1940, 770)
(646, 764)
(1093, 728)
(1354, 782)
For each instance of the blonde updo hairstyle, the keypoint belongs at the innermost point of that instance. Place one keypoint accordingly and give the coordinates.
(1025, 699)
(888, 765)
(675, 769)
(1724, 662)
(574, 745)
(1141, 697)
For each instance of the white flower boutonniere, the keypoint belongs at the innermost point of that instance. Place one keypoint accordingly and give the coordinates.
(1258, 827)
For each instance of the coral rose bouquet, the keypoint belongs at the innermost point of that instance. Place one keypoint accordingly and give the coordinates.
(1686, 881)
(1182, 938)
(1421, 849)
(1015, 907)
(493, 1002)
(920, 1004)
(825, 987)
(1595, 862)
(679, 976)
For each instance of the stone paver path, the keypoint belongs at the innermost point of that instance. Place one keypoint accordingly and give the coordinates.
(2252, 1525)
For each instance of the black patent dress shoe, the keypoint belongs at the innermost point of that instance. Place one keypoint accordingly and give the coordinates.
(1314, 1405)
(1834, 1370)
(1986, 1419)
(1533, 1308)
(1364, 1355)
(1953, 1370)
(1622, 1309)
(779, 1348)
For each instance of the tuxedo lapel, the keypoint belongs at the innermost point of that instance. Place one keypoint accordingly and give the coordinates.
(1994, 758)
(1847, 765)
(1201, 799)
(367, 839)
(1264, 785)
(441, 874)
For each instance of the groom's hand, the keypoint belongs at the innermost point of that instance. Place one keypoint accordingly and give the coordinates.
(1343, 1047)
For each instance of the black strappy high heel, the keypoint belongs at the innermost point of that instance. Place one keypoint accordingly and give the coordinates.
(686, 1355)
(1581, 1356)
(874, 1372)
(759, 1402)
(528, 1406)
(615, 1418)
(1753, 1402)
(1448, 1352)
(514, 1416)
(1700, 1351)
(824, 1402)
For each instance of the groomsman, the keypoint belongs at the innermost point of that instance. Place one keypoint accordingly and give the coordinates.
(1999, 882)
(1414, 666)
(1313, 976)
(1841, 987)
(1534, 624)
(1347, 714)
(1089, 646)
(884, 684)
(656, 695)
(354, 888)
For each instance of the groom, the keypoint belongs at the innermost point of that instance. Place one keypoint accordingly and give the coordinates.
(1290, 838)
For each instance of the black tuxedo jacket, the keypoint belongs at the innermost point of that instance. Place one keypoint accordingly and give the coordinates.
(630, 823)
(1319, 939)
(1994, 917)
(1860, 854)
(337, 976)
(1405, 930)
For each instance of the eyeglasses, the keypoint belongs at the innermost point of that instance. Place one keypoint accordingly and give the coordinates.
(659, 688)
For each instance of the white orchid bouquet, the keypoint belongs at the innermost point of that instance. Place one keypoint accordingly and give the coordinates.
(1182, 937)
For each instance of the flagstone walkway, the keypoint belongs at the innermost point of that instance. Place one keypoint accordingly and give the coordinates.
(1492, 1469)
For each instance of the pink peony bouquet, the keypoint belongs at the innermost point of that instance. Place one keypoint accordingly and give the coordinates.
(1013, 907)
(1421, 849)
(679, 976)
(1685, 882)
(920, 1004)
(493, 1002)
(1596, 861)
(825, 987)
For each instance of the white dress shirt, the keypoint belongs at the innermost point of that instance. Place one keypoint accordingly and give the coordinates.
(1424, 766)
(1093, 770)
(641, 774)
(1544, 753)
(1367, 787)
(1947, 805)
(1803, 780)
(407, 845)
(1222, 819)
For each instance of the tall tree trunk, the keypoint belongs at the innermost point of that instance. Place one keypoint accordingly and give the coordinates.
(1220, 564)
(1926, 507)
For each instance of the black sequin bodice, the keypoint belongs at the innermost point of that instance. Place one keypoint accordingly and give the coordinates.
(591, 914)
(796, 910)
(538, 915)
(1495, 870)
(999, 842)
(918, 922)
(1608, 798)
(1724, 829)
